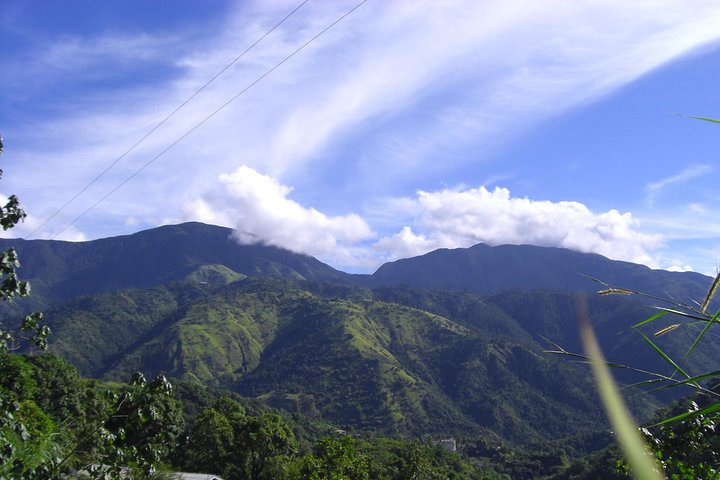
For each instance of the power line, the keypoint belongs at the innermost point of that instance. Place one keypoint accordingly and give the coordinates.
(162, 122)
(199, 124)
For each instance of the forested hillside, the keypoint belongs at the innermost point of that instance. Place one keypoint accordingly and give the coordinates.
(451, 344)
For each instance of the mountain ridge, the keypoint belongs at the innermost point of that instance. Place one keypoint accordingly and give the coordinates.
(490, 269)
(446, 342)
(59, 270)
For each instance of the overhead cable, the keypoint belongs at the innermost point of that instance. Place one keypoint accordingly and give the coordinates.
(162, 122)
(199, 124)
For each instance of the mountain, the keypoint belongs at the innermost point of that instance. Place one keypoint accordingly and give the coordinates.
(59, 271)
(350, 356)
(487, 270)
(446, 343)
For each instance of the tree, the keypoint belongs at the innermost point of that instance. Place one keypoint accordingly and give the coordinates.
(224, 440)
(11, 286)
(26, 447)
(143, 425)
(688, 449)
(414, 463)
(335, 459)
(259, 442)
(209, 442)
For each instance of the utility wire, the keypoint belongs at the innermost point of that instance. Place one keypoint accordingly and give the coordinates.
(199, 124)
(162, 122)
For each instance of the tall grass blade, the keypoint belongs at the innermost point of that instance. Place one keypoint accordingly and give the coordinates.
(684, 314)
(713, 319)
(645, 382)
(636, 453)
(704, 119)
(715, 407)
(664, 355)
(650, 319)
(689, 381)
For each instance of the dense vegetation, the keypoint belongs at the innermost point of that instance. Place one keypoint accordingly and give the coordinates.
(353, 357)
(71, 424)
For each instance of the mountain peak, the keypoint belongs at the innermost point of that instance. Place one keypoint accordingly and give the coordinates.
(489, 269)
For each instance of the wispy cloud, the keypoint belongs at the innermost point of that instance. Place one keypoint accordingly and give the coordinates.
(398, 84)
(31, 222)
(397, 95)
(655, 188)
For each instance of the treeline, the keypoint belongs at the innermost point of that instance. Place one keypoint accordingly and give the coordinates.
(56, 424)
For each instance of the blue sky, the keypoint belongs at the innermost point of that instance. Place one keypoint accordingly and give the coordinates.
(408, 126)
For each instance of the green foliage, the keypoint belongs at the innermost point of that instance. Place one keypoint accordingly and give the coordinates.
(11, 286)
(382, 458)
(209, 443)
(224, 440)
(259, 443)
(688, 449)
(143, 426)
(28, 449)
(17, 377)
(334, 459)
(377, 365)
(54, 422)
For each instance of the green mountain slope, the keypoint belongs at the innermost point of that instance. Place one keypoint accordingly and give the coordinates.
(96, 331)
(346, 355)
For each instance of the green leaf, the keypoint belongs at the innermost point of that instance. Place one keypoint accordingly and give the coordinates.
(665, 357)
(715, 407)
(650, 319)
(705, 119)
(702, 334)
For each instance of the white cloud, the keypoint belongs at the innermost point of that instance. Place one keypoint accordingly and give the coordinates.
(461, 218)
(679, 268)
(397, 93)
(258, 208)
(32, 222)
